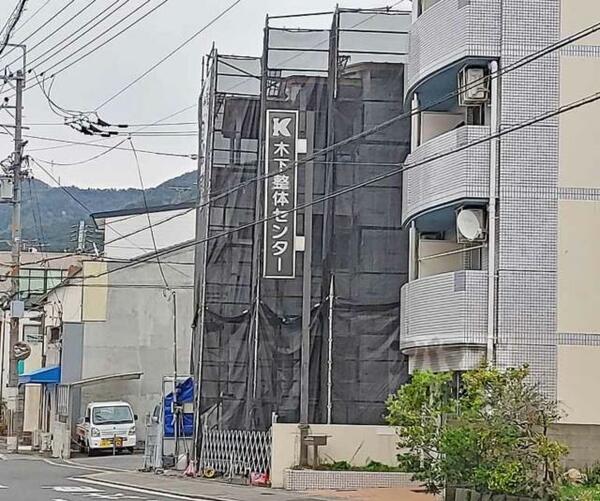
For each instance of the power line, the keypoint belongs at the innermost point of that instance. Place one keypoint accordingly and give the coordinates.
(402, 168)
(95, 157)
(153, 238)
(167, 124)
(113, 37)
(525, 60)
(142, 127)
(170, 54)
(65, 7)
(81, 28)
(10, 24)
(110, 28)
(81, 204)
(24, 23)
(74, 16)
(94, 145)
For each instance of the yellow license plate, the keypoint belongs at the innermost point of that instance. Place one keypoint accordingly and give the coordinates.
(108, 442)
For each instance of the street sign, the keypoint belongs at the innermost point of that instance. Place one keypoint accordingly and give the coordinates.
(280, 193)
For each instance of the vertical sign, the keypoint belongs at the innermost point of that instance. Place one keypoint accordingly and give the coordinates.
(280, 193)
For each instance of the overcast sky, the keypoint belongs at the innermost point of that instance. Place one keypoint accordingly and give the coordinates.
(171, 87)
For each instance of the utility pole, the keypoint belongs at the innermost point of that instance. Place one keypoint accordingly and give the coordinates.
(17, 176)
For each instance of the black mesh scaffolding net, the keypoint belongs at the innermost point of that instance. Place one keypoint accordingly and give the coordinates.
(248, 328)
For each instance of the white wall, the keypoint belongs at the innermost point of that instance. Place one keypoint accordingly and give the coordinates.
(176, 230)
(357, 444)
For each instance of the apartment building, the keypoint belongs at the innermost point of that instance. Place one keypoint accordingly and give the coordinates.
(504, 234)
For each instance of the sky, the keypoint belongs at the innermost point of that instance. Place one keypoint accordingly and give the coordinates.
(171, 87)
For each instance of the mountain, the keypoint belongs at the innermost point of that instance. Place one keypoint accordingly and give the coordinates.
(49, 214)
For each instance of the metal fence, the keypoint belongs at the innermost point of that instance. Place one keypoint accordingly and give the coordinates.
(236, 452)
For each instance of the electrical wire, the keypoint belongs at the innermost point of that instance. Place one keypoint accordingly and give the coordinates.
(81, 28)
(47, 37)
(172, 53)
(87, 209)
(168, 124)
(401, 169)
(96, 141)
(24, 23)
(95, 157)
(11, 23)
(66, 141)
(144, 198)
(37, 216)
(112, 38)
(525, 60)
(22, 42)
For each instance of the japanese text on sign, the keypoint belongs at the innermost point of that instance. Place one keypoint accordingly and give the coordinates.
(280, 193)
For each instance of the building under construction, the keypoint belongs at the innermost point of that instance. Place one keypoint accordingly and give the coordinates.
(298, 317)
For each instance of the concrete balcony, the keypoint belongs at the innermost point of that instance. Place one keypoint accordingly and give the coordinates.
(444, 311)
(452, 30)
(460, 176)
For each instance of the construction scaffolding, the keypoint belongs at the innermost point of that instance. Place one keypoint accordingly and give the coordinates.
(249, 329)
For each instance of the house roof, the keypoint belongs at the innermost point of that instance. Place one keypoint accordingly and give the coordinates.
(142, 210)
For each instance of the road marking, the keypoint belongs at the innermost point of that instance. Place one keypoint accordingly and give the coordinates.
(144, 491)
(75, 489)
(3, 457)
(3, 487)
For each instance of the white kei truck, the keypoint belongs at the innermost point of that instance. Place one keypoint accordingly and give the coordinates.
(107, 426)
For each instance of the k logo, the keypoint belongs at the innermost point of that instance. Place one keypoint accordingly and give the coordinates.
(281, 127)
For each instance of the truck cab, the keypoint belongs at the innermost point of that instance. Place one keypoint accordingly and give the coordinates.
(107, 426)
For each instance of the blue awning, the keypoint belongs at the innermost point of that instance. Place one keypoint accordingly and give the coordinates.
(45, 375)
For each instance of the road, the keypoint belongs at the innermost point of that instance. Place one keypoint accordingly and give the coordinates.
(25, 478)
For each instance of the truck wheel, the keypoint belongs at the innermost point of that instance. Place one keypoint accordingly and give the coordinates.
(90, 452)
(130, 449)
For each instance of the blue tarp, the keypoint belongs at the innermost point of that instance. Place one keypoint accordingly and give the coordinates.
(45, 375)
(185, 394)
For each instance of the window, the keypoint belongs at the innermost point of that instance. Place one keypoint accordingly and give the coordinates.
(113, 414)
(426, 4)
(38, 281)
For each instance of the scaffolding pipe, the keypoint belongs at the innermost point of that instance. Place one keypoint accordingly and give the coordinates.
(330, 351)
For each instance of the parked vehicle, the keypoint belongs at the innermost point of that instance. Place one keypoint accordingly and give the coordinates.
(106, 426)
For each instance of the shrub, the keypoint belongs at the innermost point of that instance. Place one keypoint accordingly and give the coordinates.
(490, 435)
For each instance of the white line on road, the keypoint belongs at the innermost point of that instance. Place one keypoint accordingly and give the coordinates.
(3, 487)
(142, 491)
(2, 457)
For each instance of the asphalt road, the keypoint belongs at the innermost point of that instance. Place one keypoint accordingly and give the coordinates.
(25, 478)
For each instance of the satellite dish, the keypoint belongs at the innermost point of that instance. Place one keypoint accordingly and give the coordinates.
(469, 223)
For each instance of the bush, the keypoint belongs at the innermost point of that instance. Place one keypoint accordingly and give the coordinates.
(490, 435)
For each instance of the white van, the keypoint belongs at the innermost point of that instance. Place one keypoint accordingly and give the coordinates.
(107, 425)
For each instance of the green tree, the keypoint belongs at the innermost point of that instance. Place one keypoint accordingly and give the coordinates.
(490, 433)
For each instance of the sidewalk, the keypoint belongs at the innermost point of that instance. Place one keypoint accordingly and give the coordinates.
(220, 491)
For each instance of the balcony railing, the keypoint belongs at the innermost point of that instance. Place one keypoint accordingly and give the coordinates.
(450, 30)
(461, 175)
(444, 310)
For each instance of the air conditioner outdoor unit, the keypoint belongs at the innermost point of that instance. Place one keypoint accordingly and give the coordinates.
(470, 225)
(475, 87)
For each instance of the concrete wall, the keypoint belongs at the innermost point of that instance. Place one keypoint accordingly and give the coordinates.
(578, 372)
(94, 302)
(578, 315)
(357, 444)
(178, 229)
(137, 334)
(583, 442)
